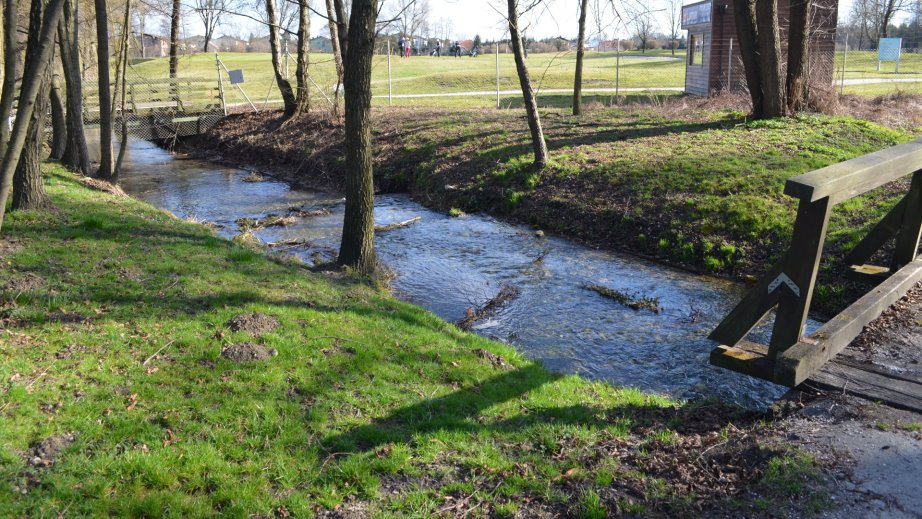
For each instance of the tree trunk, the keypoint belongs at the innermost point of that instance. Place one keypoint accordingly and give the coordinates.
(580, 54)
(302, 73)
(120, 80)
(528, 95)
(8, 92)
(174, 39)
(747, 36)
(106, 171)
(357, 249)
(76, 154)
(58, 120)
(769, 38)
(334, 41)
(28, 192)
(798, 49)
(207, 41)
(31, 84)
(288, 96)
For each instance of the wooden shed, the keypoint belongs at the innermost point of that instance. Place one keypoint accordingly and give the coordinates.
(713, 64)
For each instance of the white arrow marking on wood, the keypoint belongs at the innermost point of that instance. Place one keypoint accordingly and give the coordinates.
(784, 279)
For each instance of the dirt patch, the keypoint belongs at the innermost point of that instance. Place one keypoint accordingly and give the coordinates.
(897, 110)
(67, 318)
(101, 185)
(45, 452)
(25, 283)
(248, 352)
(255, 324)
(9, 246)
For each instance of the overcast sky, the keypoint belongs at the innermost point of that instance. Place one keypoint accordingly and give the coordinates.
(468, 18)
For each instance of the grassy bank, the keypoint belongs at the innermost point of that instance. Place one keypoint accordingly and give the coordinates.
(125, 391)
(683, 180)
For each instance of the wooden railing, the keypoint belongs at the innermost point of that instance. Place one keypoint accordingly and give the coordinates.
(790, 358)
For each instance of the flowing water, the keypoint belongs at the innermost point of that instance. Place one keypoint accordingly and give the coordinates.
(448, 265)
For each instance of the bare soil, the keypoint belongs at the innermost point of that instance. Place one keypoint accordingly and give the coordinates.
(248, 352)
(255, 324)
(45, 452)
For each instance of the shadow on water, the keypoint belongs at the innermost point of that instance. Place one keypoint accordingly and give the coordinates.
(449, 265)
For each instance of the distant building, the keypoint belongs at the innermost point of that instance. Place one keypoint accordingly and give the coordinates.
(151, 46)
(713, 63)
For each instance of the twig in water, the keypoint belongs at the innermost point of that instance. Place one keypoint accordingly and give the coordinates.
(398, 225)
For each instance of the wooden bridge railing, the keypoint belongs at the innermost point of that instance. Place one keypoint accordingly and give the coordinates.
(790, 358)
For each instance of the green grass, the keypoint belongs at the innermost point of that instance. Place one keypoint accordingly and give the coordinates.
(372, 404)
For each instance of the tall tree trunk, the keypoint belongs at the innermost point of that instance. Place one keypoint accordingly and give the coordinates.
(8, 92)
(580, 54)
(334, 41)
(798, 49)
(302, 73)
(528, 95)
(28, 191)
(58, 120)
(76, 154)
(31, 84)
(174, 38)
(105, 171)
(769, 38)
(747, 36)
(288, 96)
(357, 249)
(121, 72)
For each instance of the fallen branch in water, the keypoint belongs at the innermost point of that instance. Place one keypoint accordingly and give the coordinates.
(506, 294)
(293, 242)
(294, 211)
(272, 220)
(627, 299)
(398, 225)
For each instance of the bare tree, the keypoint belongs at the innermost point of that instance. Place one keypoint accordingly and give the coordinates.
(885, 11)
(121, 87)
(357, 248)
(642, 22)
(334, 42)
(674, 15)
(580, 54)
(275, 46)
(175, 14)
(211, 12)
(31, 85)
(411, 16)
(302, 73)
(528, 94)
(28, 191)
(10, 51)
(76, 155)
(104, 92)
(58, 119)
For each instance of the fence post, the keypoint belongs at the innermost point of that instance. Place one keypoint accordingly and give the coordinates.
(390, 87)
(497, 74)
(617, 68)
(844, 65)
(730, 68)
(217, 64)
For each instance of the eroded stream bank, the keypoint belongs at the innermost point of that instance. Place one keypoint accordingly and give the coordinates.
(451, 264)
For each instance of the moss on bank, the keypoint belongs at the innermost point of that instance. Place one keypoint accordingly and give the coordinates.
(685, 181)
(116, 398)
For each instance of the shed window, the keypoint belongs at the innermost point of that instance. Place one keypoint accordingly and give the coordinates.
(696, 49)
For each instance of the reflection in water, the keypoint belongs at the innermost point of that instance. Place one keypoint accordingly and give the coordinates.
(450, 264)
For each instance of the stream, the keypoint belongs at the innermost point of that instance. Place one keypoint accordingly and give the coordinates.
(449, 264)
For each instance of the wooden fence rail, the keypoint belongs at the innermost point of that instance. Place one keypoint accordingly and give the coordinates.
(790, 358)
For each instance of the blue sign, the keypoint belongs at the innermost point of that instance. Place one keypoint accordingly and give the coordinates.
(889, 49)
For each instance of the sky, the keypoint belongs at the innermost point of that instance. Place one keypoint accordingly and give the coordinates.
(468, 18)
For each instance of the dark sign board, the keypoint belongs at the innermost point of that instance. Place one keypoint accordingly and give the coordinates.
(696, 14)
